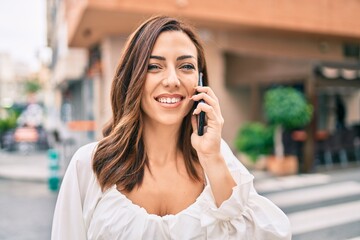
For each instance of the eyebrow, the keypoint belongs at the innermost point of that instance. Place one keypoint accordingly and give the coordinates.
(158, 57)
(184, 57)
(177, 59)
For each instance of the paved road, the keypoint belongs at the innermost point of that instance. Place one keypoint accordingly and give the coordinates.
(319, 206)
(26, 204)
(26, 210)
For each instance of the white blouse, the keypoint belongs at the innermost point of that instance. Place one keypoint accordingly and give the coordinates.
(83, 211)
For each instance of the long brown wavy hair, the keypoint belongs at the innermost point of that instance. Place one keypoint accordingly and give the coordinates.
(120, 157)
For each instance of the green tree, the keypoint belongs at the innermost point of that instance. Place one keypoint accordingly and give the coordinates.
(254, 139)
(285, 107)
(9, 121)
(32, 86)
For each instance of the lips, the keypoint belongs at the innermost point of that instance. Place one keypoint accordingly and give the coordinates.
(169, 98)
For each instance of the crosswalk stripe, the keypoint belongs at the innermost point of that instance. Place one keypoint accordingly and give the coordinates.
(290, 182)
(314, 194)
(355, 238)
(324, 217)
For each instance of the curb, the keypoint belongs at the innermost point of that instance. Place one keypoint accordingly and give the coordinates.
(24, 173)
(22, 179)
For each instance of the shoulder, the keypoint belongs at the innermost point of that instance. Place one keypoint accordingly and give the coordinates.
(85, 153)
(79, 179)
(81, 161)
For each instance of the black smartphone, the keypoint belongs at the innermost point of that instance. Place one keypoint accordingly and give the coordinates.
(201, 116)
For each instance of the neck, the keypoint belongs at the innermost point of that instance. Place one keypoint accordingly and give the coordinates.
(161, 143)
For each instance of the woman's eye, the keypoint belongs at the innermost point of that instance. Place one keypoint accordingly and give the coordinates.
(188, 67)
(153, 67)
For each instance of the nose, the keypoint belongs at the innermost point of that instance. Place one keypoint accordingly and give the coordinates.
(171, 80)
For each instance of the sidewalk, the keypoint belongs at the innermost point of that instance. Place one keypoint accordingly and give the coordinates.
(33, 166)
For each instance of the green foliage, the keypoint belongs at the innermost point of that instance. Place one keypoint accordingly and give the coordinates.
(287, 107)
(8, 122)
(254, 139)
(32, 86)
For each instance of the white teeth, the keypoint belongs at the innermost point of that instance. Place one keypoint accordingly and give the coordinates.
(169, 100)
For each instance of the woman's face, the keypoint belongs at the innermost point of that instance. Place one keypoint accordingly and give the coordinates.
(170, 80)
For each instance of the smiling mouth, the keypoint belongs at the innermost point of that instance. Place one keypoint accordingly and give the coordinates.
(169, 100)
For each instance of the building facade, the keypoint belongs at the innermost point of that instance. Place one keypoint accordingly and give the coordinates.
(250, 46)
(70, 99)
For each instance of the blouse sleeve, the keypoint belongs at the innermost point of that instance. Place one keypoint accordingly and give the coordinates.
(246, 214)
(68, 221)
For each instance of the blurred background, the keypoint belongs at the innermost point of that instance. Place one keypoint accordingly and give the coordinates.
(287, 75)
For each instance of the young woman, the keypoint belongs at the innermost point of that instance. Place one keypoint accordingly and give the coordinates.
(152, 176)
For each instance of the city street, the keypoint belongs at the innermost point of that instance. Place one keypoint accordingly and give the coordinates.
(319, 205)
(323, 205)
(280, 78)
(26, 203)
(26, 210)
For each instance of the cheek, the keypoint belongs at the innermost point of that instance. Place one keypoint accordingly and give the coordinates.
(148, 86)
(190, 88)
(145, 93)
(190, 83)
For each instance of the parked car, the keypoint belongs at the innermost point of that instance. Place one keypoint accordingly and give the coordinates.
(25, 139)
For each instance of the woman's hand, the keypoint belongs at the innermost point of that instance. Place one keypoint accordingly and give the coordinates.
(207, 145)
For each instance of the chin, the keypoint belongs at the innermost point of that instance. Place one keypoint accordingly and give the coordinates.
(171, 121)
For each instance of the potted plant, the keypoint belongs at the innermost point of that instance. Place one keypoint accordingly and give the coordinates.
(253, 141)
(285, 107)
(32, 86)
(8, 121)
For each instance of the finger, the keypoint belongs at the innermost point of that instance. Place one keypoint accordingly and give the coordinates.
(210, 112)
(206, 90)
(208, 100)
(203, 96)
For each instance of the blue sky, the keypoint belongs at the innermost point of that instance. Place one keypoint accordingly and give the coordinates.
(22, 29)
